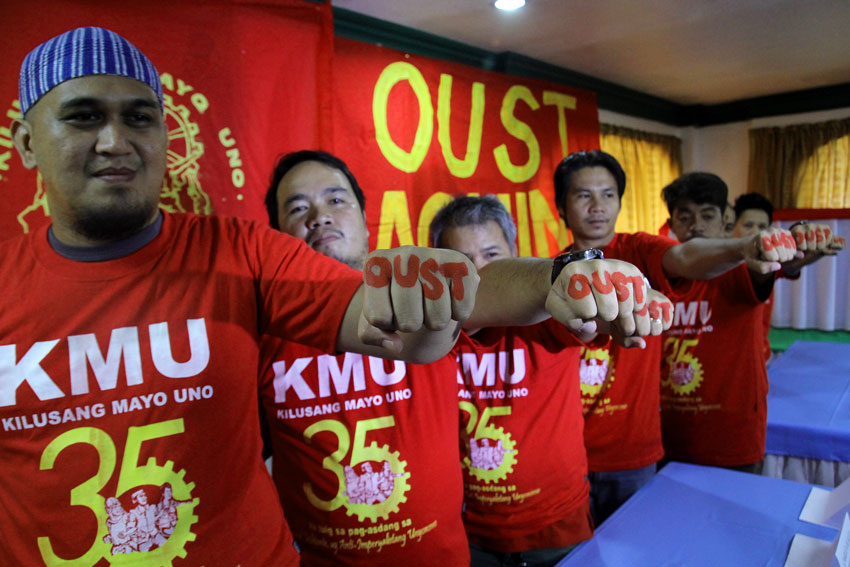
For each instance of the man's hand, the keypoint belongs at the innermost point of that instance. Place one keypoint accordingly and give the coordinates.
(815, 241)
(611, 291)
(660, 319)
(410, 288)
(768, 249)
(814, 238)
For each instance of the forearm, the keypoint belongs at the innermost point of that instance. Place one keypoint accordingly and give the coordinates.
(793, 268)
(512, 292)
(705, 258)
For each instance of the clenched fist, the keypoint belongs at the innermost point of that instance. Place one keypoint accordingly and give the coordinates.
(409, 288)
(611, 291)
(769, 249)
(816, 238)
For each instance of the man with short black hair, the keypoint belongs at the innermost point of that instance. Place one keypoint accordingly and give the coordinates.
(753, 212)
(357, 443)
(713, 376)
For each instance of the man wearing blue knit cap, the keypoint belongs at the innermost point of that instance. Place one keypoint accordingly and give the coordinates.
(129, 337)
(71, 89)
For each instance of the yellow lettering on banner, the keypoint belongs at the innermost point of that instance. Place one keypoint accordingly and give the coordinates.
(534, 217)
(233, 158)
(465, 167)
(434, 203)
(6, 142)
(6, 138)
(523, 234)
(199, 101)
(225, 137)
(393, 74)
(237, 176)
(395, 215)
(167, 81)
(543, 220)
(521, 131)
(560, 101)
(505, 198)
(183, 88)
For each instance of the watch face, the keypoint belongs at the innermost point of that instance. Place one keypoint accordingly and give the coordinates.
(589, 254)
(564, 259)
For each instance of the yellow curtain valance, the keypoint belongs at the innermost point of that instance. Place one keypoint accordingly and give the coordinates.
(650, 161)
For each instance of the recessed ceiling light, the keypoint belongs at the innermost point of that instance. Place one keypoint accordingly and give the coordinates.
(509, 4)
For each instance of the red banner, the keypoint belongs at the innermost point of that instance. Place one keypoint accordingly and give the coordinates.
(243, 81)
(417, 131)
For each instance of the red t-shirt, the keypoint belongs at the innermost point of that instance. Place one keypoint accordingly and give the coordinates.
(524, 462)
(365, 456)
(767, 315)
(620, 386)
(713, 375)
(128, 394)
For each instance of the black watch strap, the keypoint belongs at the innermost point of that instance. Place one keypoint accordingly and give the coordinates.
(560, 261)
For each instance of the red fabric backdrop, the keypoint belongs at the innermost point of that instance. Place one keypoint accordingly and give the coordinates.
(416, 131)
(244, 80)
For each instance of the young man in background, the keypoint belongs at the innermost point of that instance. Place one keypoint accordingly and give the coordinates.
(714, 379)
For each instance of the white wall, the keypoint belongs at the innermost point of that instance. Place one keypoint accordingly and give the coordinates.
(722, 149)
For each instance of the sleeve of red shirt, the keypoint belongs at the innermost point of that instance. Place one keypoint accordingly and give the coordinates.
(303, 295)
(651, 249)
(738, 284)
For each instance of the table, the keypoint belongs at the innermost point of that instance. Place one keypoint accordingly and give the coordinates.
(808, 414)
(695, 516)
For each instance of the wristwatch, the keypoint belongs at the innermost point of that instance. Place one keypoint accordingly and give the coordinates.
(560, 261)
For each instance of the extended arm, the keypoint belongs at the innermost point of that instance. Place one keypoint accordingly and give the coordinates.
(512, 291)
(520, 292)
(706, 258)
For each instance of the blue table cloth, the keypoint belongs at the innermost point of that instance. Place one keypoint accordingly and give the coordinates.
(808, 406)
(694, 516)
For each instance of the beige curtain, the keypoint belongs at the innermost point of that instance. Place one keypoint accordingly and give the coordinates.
(804, 166)
(650, 161)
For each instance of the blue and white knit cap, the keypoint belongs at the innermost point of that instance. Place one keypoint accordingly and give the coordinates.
(79, 53)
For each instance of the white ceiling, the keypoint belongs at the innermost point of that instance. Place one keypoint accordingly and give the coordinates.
(684, 51)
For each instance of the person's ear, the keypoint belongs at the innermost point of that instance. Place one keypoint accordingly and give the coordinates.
(22, 138)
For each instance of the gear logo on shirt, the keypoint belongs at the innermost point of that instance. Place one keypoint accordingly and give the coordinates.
(156, 530)
(684, 377)
(594, 370)
(491, 456)
(373, 494)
